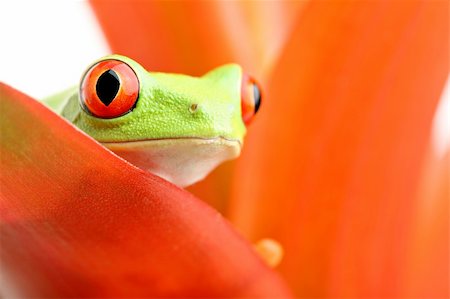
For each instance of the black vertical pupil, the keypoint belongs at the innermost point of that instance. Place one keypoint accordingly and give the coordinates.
(257, 97)
(107, 87)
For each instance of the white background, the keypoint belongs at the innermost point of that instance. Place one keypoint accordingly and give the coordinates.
(47, 45)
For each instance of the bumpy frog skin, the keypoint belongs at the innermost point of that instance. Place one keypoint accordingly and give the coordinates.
(180, 127)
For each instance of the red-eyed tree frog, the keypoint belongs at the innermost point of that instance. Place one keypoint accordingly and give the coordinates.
(176, 126)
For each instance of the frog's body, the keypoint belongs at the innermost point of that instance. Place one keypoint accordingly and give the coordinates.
(179, 127)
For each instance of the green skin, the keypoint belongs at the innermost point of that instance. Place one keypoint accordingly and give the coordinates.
(164, 112)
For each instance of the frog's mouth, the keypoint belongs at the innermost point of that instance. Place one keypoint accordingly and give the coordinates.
(182, 161)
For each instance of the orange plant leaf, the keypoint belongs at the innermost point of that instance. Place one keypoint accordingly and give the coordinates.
(77, 221)
(196, 36)
(333, 162)
(426, 274)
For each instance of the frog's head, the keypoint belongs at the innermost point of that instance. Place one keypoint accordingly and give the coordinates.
(177, 126)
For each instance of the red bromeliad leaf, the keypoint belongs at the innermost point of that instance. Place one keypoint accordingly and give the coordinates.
(333, 162)
(77, 221)
(426, 274)
(195, 36)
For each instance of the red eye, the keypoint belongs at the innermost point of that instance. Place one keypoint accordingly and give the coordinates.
(250, 98)
(109, 89)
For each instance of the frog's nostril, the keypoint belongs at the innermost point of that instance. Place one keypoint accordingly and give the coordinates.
(193, 108)
(250, 98)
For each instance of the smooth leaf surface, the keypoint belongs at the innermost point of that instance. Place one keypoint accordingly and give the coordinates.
(332, 167)
(194, 37)
(77, 221)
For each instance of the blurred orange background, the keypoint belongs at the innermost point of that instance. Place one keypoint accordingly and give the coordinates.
(340, 165)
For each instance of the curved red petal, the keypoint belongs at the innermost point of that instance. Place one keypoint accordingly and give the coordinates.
(332, 172)
(195, 36)
(77, 221)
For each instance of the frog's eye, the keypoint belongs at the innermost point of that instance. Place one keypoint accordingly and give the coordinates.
(250, 98)
(109, 89)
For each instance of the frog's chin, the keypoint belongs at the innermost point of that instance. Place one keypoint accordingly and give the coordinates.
(182, 161)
